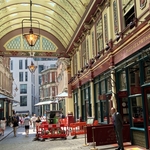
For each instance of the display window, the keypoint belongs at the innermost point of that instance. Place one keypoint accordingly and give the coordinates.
(147, 71)
(137, 112)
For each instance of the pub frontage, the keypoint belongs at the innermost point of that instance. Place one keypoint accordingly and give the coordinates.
(118, 76)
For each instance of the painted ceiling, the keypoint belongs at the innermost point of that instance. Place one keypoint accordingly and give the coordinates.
(59, 20)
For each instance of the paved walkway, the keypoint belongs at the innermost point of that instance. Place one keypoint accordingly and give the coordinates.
(77, 143)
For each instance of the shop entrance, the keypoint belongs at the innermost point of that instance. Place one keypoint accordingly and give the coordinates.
(147, 101)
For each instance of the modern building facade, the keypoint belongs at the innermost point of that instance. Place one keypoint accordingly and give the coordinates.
(27, 83)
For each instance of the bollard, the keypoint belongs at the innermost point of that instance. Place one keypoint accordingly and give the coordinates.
(85, 144)
(94, 148)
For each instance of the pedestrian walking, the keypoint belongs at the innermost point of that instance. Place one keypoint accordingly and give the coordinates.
(33, 119)
(118, 125)
(3, 125)
(15, 122)
(27, 123)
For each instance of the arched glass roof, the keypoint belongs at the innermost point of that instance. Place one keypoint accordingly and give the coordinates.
(57, 17)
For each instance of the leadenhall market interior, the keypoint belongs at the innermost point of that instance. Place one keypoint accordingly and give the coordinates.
(107, 43)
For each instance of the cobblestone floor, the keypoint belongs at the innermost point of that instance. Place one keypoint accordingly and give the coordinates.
(21, 142)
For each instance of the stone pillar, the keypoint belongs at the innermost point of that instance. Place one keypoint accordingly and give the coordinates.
(69, 100)
(5, 109)
(113, 81)
(79, 102)
(42, 110)
(92, 98)
(10, 109)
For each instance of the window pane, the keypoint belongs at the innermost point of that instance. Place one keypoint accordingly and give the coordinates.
(137, 112)
(26, 76)
(23, 100)
(11, 65)
(41, 67)
(26, 64)
(20, 64)
(23, 88)
(20, 76)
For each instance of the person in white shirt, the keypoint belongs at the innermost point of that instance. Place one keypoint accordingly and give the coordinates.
(33, 119)
(3, 125)
(27, 123)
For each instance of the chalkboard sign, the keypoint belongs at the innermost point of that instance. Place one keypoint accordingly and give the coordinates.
(90, 120)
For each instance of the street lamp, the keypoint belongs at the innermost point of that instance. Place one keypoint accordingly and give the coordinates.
(32, 67)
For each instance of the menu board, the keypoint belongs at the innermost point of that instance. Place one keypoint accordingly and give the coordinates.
(90, 120)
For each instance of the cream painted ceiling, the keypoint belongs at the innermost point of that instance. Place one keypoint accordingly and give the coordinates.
(57, 17)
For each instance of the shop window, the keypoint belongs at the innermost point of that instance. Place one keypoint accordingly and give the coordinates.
(122, 81)
(134, 80)
(125, 110)
(128, 11)
(109, 84)
(98, 112)
(104, 111)
(137, 112)
(147, 71)
(103, 91)
(54, 107)
(148, 102)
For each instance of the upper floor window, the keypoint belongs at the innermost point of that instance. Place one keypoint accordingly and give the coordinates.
(23, 100)
(99, 35)
(75, 64)
(26, 64)
(83, 53)
(20, 64)
(41, 67)
(26, 76)
(20, 76)
(11, 64)
(23, 88)
(128, 11)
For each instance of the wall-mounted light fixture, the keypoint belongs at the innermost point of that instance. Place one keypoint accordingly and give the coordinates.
(107, 47)
(117, 37)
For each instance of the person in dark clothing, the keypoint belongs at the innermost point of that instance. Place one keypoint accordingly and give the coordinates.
(118, 125)
(15, 122)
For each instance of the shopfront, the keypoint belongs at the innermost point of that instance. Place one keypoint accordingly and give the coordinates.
(133, 95)
(103, 94)
(76, 106)
(1, 109)
(85, 101)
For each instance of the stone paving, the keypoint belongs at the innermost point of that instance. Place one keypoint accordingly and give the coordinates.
(21, 142)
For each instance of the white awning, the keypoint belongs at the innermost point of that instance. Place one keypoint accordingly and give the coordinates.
(45, 103)
(63, 94)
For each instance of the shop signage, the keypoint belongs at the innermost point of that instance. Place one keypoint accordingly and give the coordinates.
(122, 94)
(135, 90)
(132, 47)
(102, 97)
